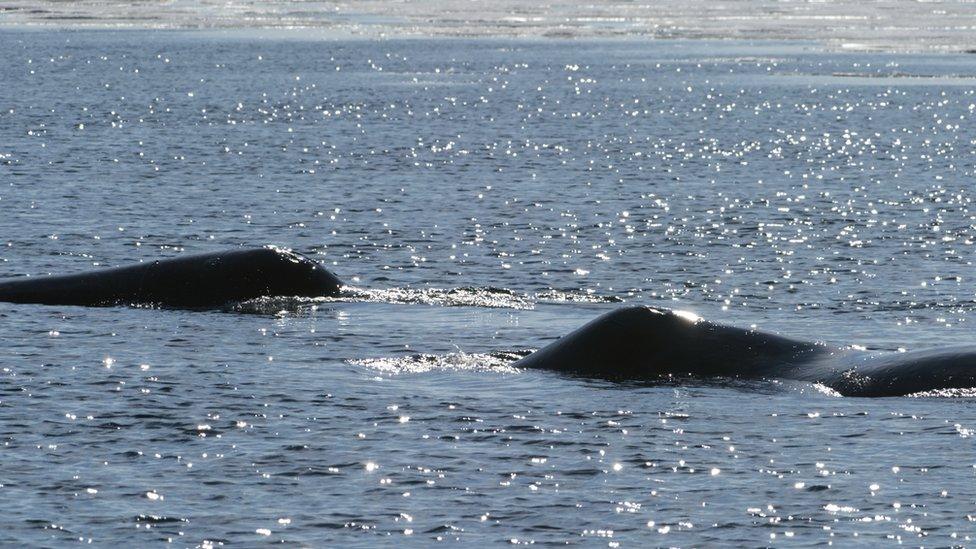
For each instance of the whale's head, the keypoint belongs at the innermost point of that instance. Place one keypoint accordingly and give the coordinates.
(646, 342)
(288, 273)
(215, 279)
(619, 344)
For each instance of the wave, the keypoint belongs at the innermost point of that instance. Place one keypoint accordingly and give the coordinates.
(501, 362)
(497, 362)
(487, 297)
(969, 392)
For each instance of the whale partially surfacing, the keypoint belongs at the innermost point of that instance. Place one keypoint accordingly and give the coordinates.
(630, 343)
(644, 343)
(896, 374)
(204, 280)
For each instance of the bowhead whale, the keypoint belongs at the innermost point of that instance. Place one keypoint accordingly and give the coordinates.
(644, 343)
(204, 280)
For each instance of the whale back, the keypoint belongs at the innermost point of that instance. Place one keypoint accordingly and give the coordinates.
(897, 374)
(203, 280)
(637, 343)
(647, 343)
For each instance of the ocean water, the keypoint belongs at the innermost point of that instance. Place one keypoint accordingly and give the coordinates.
(480, 197)
(880, 25)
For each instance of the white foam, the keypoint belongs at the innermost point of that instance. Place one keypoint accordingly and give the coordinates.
(958, 392)
(422, 363)
(493, 298)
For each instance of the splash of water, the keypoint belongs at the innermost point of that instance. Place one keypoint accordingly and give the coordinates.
(969, 392)
(488, 297)
(498, 362)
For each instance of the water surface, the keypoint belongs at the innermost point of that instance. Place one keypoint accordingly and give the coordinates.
(479, 197)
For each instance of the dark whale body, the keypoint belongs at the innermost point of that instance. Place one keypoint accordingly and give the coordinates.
(642, 343)
(205, 280)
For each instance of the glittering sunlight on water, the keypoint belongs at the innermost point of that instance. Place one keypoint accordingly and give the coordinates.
(480, 198)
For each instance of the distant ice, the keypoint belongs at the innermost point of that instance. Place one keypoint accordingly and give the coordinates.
(889, 25)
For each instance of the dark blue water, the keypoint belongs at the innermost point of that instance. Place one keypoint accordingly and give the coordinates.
(479, 197)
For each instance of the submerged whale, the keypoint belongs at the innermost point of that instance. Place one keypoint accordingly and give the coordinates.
(644, 343)
(204, 280)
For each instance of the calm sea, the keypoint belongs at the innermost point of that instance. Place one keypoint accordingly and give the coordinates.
(479, 197)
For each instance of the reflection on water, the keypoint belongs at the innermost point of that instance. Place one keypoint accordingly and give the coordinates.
(892, 25)
(481, 198)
